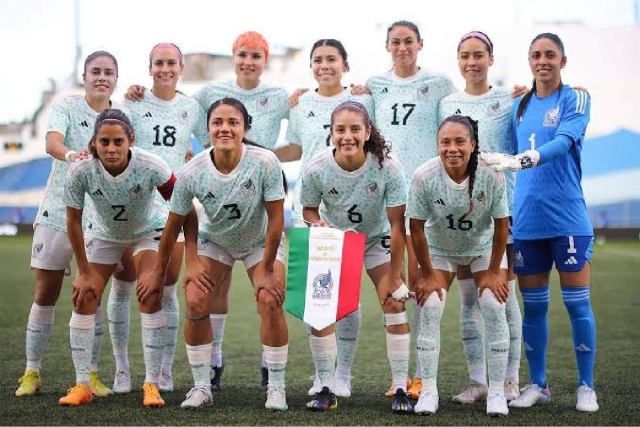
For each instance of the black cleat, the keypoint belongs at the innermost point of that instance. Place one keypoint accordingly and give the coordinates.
(216, 375)
(264, 384)
(401, 403)
(323, 401)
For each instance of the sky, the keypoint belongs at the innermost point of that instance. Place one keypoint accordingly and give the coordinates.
(39, 36)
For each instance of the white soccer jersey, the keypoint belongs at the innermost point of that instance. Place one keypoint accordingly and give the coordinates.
(234, 204)
(407, 114)
(164, 128)
(267, 105)
(443, 204)
(124, 204)
(74, 119)
(492, 110)
(354, 200)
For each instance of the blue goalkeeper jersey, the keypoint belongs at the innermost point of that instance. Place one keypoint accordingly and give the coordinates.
(548, 199)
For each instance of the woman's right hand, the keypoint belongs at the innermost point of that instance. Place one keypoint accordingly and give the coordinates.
(198, 274)
(135, 93)
(83, 285)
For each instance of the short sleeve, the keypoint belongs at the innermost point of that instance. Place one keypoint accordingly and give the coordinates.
(59, 119)
(418, 206)
(293, 133)
(396, 191)
(182, 197)
(74, 189)
(499, 205)
(272, 185)
(310, 190)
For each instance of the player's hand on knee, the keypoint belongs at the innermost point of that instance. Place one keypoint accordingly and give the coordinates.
(496, 284)
(267, 281)
(197, 274)
(149, 284)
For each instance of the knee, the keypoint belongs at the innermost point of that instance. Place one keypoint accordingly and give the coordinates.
(196, 302)
(267, 304)
(489, 301)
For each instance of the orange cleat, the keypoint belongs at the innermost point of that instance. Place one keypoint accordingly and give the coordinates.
(79, 394)
(151, 396)
(392, 390)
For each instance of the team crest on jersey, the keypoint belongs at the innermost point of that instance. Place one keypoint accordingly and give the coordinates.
(322, 286)
(135, 191)
(480, 198)
(493, 109)
(422, 92)
(373, 190)
(263, 104)
(183, 118)
(551, 118)
(248, 188)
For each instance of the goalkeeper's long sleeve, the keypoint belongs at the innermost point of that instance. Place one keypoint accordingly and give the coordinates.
(555, 148)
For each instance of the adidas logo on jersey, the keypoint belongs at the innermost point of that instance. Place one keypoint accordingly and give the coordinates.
(209, 196)
(311, 114)
(98, 192)
(84, 124)
(333, 191)
(571, 261)
(148, 114)
(385, 90)
(439, 202)
(45, 214)
(458, 112)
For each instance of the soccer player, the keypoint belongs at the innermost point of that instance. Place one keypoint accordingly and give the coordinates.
(163, 123)
(361, 188)
(460, 201)
(308, 134)
(69, 128)
(121, 181)
(551, 225)
(406, 112)
(267, 106)
(491, 108)
(240, 186)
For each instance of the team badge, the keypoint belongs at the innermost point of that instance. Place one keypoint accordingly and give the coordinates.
(422, 93)
(373, 190)
(88, 245)
(322, 286)
(480, 198)
(135, 191)
(248, 187)
(263, 104)
(519, 259)
(493, 110)
(551, 118)
(37, 248)
(183, 118)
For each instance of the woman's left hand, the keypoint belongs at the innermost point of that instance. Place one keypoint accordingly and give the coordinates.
(496, 283)
(269, 281)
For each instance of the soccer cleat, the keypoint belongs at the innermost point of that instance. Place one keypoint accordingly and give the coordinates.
(530, 395)
(587, 399)
(151, 396)
(392, 390)
(198, 397)
(276, 399)
(79, 394)
(322, 401)
(264, 384)
(30, 383)
(316, 387)
(99, 389)
(427, 403)
(122, 382)
(401, 404)
(511, 390)
(497, 405)
(215, 374)
(342, 387)
(475, 391)
(415, 389)
(165, 381)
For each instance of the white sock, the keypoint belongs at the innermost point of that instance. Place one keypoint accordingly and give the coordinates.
(171, 309)
(398, 354)
(81, 335)
(415, 326)
(119, 315)
(497, 332)
(217, 330)
(276, 359)
(429, 340)
(98, 336)
(347, 332)
(324, 351)
(514, 319)
(39, 328)
(472, 329)
(199, 358)
(154, 331)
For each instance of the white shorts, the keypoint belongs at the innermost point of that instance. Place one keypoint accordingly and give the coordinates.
(105, 252)
(476, 263)
(218, 253)
(377, 252)
(51, 249)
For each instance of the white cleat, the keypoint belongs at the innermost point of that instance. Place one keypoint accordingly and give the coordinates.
(165, 381)
(276, 399)
(342, 386)
(511, 390)
(198, 397)
(497, 405)
(427, 403)
(474, 392)
(530, 395)
(122, 382)
(587, 399)
(316, 387)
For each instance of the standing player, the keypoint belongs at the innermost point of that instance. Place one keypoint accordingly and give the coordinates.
(69, 128)
(240, 186)
(362, 188)
(163, 123)
(406, 103)
(551, 224)
(267, 106)
(460, 202)
(308, 134)
(121, 181)
(491, 108)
